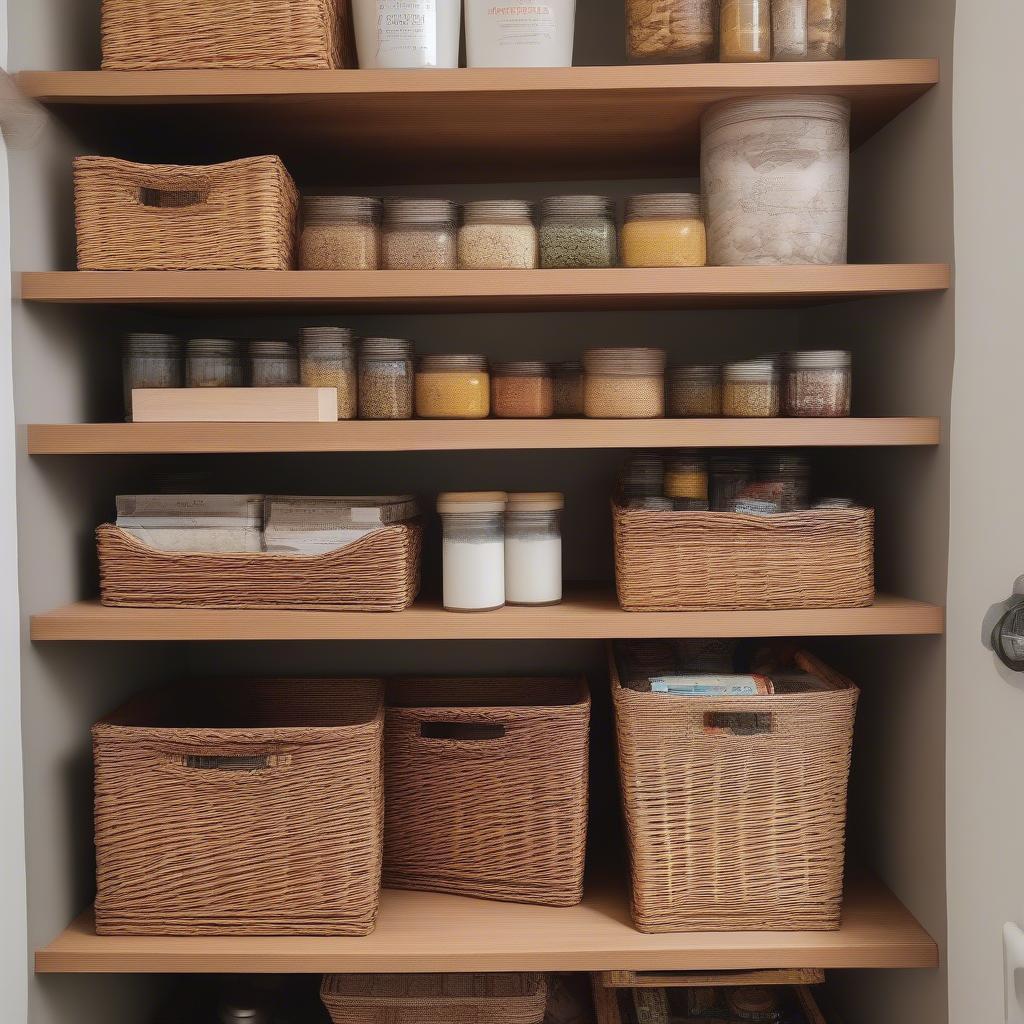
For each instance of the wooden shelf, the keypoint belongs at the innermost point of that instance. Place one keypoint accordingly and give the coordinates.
(472, 435)
(483, 290)
(587, 613)
(433, 933)
(476, 124)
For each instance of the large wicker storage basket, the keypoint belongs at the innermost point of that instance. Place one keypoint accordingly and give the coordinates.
(486, 783)
(735, 807)
(435, 998)
(681, 561)
(241, 807)
(240, 215)
(166, 35)
(377, 573)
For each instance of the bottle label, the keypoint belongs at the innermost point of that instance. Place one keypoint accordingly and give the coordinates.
(406, 33)
(521, 24)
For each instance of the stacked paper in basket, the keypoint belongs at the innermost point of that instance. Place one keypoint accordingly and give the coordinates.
(316, 525)
(194, 522)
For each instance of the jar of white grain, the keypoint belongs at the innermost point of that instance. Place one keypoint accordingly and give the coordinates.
(533, 548)
(473, 549)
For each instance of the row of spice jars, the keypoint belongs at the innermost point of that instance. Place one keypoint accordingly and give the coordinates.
(699, 31)
(575, 232)
(500, 548)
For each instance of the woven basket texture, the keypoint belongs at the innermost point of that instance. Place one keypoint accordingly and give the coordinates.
(377, 573)
(682, 561)
(167, 35)
(435, 998)
(502, 818)
(240, 215)
(734, 832)
(241, 807)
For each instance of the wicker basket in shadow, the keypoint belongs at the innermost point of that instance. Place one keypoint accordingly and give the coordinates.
(435, 998)
(683, 561)
(735, 807)
(377, 573)
(240, 215)
(241, 807)
(167, 35)
(486, 783)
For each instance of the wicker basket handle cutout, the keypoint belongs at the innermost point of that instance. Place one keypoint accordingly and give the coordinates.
(221, 765)
(462, 732)
(171, 199)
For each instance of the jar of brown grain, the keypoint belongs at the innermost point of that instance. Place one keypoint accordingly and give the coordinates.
(340, 233)
(385, 379)
(624, 383)
(419, 234)
(522, 390)
(695, 391)
(817, 384)
(569, 388)
(327, 359)
(750, 389)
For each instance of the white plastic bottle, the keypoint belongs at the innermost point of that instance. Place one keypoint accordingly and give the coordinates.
(520, 35)
(407, 33)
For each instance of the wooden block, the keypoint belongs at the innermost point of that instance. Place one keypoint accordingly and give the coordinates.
(234, 405)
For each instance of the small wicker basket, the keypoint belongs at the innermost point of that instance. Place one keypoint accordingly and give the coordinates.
(377, 573)
(240, 215)
(684, 561)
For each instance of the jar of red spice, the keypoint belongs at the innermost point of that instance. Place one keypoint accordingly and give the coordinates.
(522, 390)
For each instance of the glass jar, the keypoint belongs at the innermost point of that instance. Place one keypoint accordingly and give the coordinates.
(808, 29)
(473, 550)
(730, 474)
(419, 234)
(643, 476)
(533, 548)
(569, 388)
(746, 31)
(664, 229)
(213, 363)
(577, 233)
(522, 390)
(776, 177)
(792, 473)
(497, 234)
(340, 233)
(453, 387)
(273, 364)
(149, 361)
(695, 391)
(817, 384)
(672, 31)
(686, 477)
(327, 359)
(624, 383)
(751, 389)
(385, 379)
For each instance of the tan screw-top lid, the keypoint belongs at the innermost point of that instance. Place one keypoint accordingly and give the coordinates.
(541, 501)
(472, 501)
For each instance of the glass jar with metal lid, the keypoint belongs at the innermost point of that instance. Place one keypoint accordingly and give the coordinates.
(745, 31)
(730, 474)
(386, 377)
(808, 29)
(473, 549)
(643, 476)
(792, 471)
(497, 234)
(817, 383)
(340, 233)
(569, 388)
(686, 476)
(522, 390)
(453, 387)
(213, 363)
(751, 389)
(419, 234)
(624, 383)
(327, 359)
(273, 364)
(577, 233)
(664, 229)
(672, 31)
(533, 548)
(695, 391)
(149, 361)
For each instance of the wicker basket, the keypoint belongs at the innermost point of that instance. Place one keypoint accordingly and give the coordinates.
(735, 807)
(241, 808)
(486, 783)
(682, 561)
(435, 998)
(167, 35)
(377, 573)
(240, 215)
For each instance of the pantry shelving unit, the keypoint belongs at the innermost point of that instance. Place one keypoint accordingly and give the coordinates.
(611, 125)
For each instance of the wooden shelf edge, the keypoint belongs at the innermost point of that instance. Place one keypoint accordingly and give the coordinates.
(424, 932)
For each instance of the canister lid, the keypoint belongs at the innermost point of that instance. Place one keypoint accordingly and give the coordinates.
(212, 347)
(752, 370)
(521, 368)
(833, 108)
(664, 204)
(472, 501)
(821, 359)
(497, 211)
(540, 501)
(577, 206)
(696, 372)
(152, 344)
(385, 348)
(338, 209)
(272, 350)
(324, 335)
(625, 361)
(453, 361)
(419, 211)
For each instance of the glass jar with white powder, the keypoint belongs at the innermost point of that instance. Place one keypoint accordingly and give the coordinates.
(473, 549)
(533, 548)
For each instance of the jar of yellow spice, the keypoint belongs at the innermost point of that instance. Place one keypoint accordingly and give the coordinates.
(327, 359)
(686, 477)
(624, 383)
(664, 229)
(453, 387)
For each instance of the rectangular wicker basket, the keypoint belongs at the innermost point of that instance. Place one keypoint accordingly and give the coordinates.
(486, 783)
(683, 561)
(377, 573)
(735, 807)
(167, 35)
(241, 807)
(435, 998)
(240, 215)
